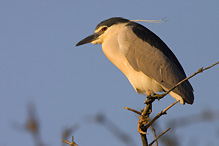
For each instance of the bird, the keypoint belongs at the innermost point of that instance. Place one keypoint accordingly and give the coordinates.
(148, 63)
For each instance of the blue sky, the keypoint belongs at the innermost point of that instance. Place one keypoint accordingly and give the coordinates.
(40, 63)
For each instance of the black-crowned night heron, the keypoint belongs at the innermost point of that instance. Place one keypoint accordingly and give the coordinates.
(142, 56)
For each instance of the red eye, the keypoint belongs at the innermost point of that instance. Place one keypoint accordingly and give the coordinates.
(104, 29)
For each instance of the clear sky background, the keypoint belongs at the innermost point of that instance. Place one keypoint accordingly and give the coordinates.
(39, 63)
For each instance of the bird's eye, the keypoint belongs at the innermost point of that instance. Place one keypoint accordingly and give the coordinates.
(104, 29)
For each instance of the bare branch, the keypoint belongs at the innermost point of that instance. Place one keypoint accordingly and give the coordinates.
(147, 109)
(163, 112)
(199, 71)
(143, 136)
(159, 136)
(144, 139)
(70, 143)
(133, 110)
(144, 119)
(154, 133)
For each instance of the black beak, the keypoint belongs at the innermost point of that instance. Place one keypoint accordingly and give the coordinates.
(88, 39)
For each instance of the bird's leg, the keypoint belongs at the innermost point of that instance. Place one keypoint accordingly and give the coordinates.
(150, 97)
(149, 93)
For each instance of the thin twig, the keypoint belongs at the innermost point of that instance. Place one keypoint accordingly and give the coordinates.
(199, 71)
(159, 136)
(211, 66)
(154, 133)
(133, 110)
(70, 143)
(160, 114)
(65, 141)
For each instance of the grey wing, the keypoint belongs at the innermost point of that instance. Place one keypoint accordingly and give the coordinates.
(153, 62)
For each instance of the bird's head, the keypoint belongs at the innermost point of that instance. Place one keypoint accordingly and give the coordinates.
(104, 30)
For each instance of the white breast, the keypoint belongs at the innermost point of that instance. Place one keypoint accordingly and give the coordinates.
(140, 82)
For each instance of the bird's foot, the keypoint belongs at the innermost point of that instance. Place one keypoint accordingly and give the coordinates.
(158, 96)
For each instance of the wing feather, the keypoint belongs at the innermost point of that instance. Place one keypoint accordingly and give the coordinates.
(145, 56)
